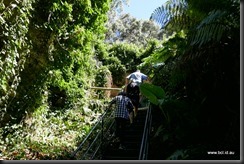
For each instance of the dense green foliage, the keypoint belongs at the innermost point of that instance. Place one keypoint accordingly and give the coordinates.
(52, 52)
(119, 58)
(200, 73)
(47, 66)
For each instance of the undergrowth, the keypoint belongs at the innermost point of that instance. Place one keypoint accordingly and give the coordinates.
(48, 134)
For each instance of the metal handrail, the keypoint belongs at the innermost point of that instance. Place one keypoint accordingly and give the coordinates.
(99, 134)
(146, 133)
(88, 135)
(94, 142)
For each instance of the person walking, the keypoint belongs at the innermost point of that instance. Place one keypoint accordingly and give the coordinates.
(133, 92)
(133, 81)
(136, 77)
(122, 107)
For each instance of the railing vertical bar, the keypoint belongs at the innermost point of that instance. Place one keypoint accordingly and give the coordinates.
(102, 137)
(144, 143)
(74, 153)
(100, 134)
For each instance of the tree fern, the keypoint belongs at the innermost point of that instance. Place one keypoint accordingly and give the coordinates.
(209, 28)
(173, 10)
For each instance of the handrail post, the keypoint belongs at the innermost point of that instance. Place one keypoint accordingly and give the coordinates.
(102, 145)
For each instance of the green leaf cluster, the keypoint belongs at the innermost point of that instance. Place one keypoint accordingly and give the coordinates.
(194, 70)
(154, 93)
(47, 63)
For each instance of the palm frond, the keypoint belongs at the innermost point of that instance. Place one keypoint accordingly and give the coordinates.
(160, 15)
(172, 10)
(209, 29)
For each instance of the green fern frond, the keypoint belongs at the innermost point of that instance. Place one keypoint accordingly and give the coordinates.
(172, 12)
(209, 29)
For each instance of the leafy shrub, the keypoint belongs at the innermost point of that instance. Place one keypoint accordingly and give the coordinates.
(117, 69)
(103, 78)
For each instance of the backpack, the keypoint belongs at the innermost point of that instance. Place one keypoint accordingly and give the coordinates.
(132, 90)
